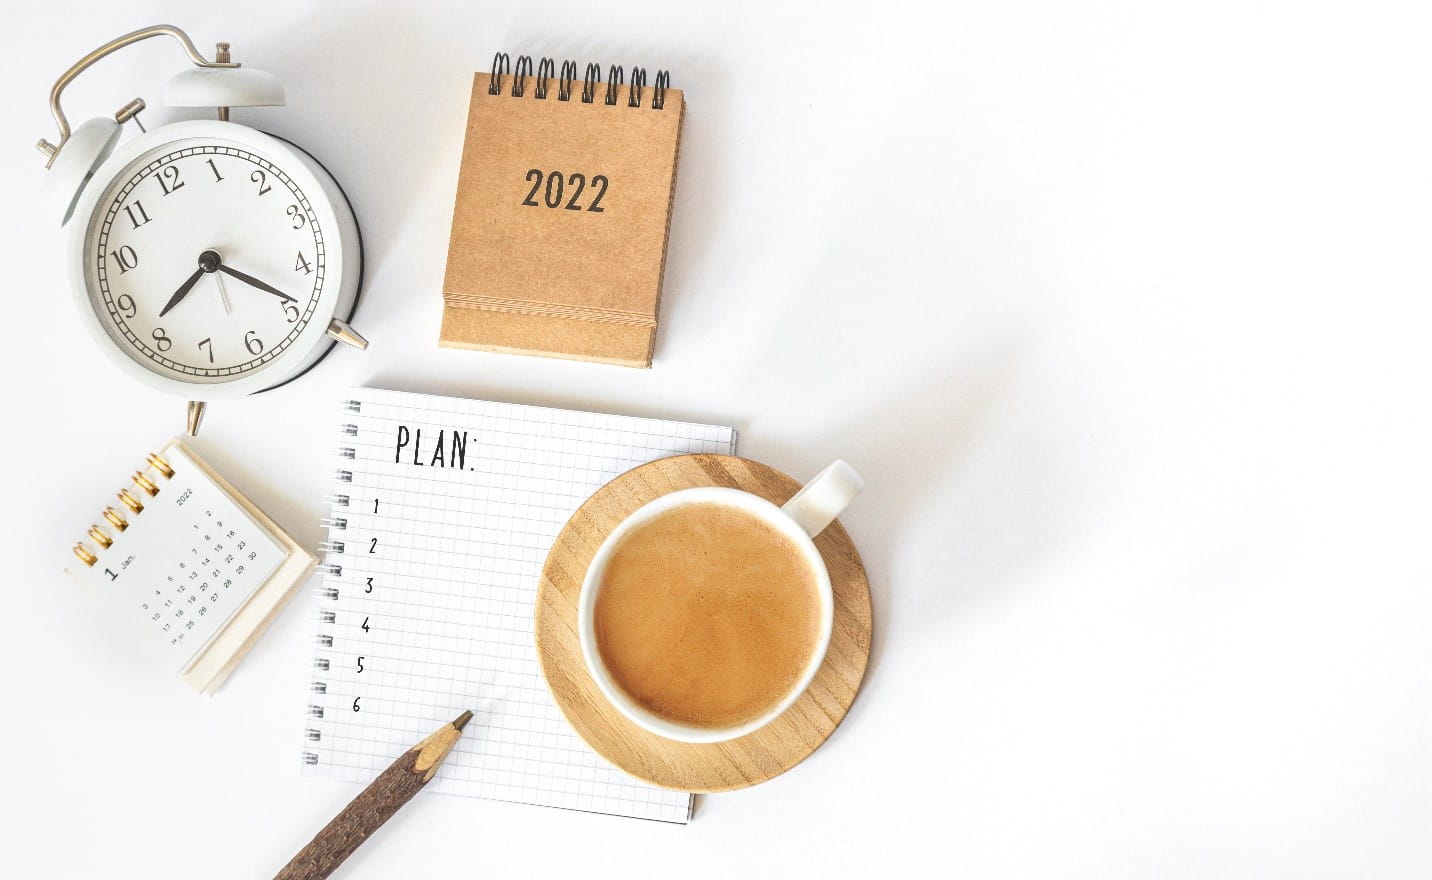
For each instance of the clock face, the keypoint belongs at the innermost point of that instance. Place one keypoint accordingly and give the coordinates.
(205, 260)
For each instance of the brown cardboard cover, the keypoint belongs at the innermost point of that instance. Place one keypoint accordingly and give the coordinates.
(522, 261)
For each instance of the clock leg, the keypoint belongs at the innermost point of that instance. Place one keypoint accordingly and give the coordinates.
(195, 415)
(343, 331)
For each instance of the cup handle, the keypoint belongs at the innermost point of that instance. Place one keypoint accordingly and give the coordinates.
(821, 500)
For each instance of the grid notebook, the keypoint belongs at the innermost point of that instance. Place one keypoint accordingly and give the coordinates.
(443, 512)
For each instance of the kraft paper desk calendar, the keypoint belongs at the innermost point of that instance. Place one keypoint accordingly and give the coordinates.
(443, 512)
(563, 206)
(191, 566)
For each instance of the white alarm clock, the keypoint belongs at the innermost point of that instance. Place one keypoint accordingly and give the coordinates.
(209, 259)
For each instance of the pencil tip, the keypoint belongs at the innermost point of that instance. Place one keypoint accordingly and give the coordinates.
(462, 720)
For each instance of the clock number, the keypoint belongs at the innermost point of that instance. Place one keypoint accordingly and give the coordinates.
(253, 343)
(355, 703)
(137, 215)
(547, 196)
(169, 179)
(375, 505)
(301, 265)
(291, 312)
(373, 547)
(125, 257)
(161, 342)
(209, 342)
(580, 182)
(369, 587)
(126, 305)
(260, 178)
(599, 180)
(536, 177)
(295, 213)
(364, 624)
(360, 662)
(215, 168)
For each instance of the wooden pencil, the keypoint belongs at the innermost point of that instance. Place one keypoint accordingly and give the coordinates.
(374, 805)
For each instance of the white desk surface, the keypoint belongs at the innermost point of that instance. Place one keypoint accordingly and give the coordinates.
(1121, 309)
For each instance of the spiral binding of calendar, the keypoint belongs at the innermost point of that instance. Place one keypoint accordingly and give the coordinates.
(333, 547)
(132, 502)
(546, 71)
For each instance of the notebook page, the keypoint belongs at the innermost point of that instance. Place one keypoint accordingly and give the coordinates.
(451, 506)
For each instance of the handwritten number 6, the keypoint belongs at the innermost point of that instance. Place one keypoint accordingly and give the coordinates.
(355, 703)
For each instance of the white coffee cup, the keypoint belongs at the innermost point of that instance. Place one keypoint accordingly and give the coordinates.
(806, 515)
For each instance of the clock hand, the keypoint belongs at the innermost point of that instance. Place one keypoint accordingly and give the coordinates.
(183, 291)
(223, 294)
(251, 280)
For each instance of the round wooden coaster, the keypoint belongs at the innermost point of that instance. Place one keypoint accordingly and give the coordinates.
(738, 763)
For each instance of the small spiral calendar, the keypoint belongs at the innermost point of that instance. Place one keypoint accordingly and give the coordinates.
(190, 565)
